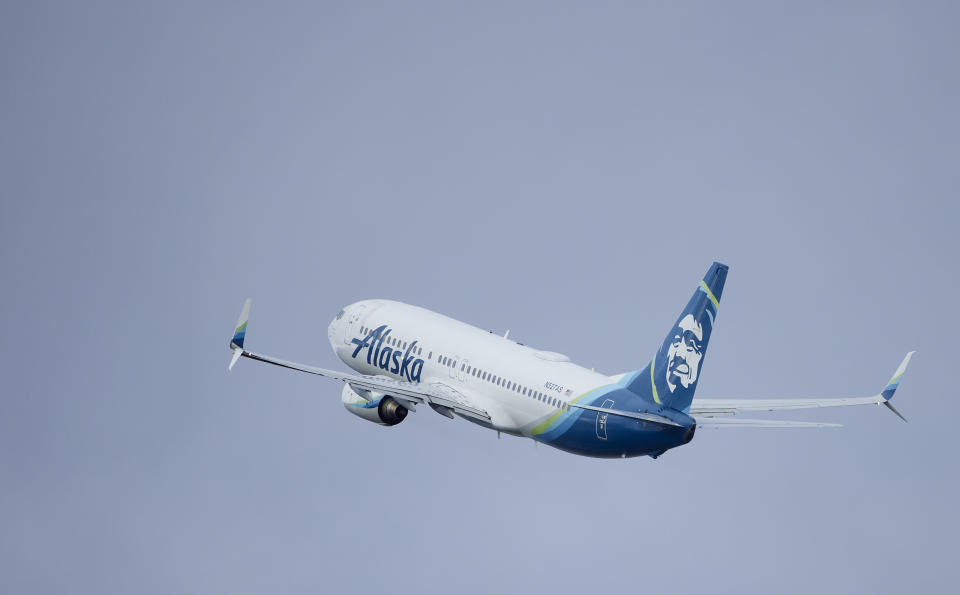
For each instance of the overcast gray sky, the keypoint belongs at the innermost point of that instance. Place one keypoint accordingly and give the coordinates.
(567, 171)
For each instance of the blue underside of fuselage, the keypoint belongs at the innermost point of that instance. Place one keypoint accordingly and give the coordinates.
(595, 434)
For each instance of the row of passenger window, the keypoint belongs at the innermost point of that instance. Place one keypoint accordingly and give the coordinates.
(395, 342)
(503, 382)
(477, 373)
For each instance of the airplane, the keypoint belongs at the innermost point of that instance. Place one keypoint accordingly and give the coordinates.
(404, 356)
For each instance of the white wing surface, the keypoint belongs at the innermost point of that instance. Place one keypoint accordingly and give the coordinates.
(738, 422)
(704, 409)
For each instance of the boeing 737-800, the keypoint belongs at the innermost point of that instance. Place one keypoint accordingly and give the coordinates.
(406, 356)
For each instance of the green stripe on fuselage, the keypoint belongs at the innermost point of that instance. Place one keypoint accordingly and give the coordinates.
(545, 424)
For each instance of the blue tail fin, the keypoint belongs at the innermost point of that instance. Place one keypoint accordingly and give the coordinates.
(671, 378)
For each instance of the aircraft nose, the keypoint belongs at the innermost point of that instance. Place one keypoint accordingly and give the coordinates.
(335, 325)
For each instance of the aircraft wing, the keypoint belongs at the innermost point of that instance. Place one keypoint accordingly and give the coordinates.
(438, 396)
(709, 408)
(737, 422)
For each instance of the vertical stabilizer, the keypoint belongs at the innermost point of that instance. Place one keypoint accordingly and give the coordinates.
(671, 378)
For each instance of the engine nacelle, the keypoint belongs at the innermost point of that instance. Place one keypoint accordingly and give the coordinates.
(376, 407)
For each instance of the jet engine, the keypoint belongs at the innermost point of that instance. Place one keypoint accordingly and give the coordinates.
(376, 407)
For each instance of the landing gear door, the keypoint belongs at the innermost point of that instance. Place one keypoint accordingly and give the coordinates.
(352, 328)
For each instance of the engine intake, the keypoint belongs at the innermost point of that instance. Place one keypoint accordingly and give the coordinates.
(376, 407)
(391, 413)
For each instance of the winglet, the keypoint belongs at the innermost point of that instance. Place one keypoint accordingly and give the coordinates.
(891, 388)
(239, 334)
(241, 331)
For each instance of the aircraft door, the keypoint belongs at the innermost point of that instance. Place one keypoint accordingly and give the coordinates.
(454, 370)
(352, 328)
(602, 420)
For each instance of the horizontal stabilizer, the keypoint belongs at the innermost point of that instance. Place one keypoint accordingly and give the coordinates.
(657, 419)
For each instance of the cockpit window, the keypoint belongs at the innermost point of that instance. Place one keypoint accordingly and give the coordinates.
(340, 315)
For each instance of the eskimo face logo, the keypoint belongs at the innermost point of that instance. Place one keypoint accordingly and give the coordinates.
(685, 353)
(388, 359)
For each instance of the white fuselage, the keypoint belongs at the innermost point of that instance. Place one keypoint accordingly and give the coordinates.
(518, 385)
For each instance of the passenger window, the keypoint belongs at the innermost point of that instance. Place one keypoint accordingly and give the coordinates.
(429, 355)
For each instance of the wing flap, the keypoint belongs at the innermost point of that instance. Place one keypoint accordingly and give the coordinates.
(737, 422)
(707, 407)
